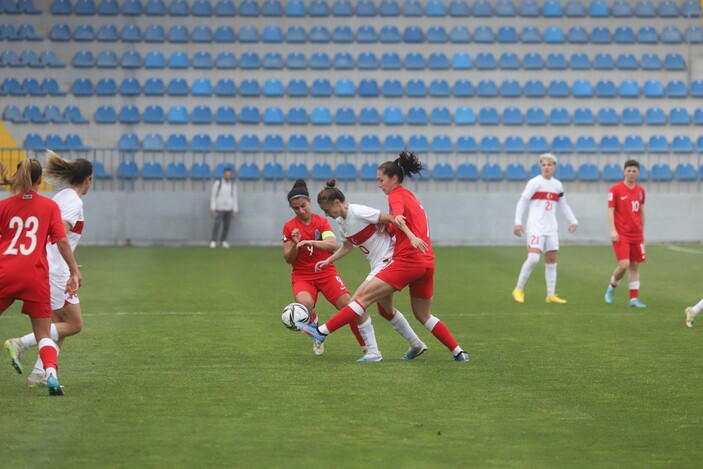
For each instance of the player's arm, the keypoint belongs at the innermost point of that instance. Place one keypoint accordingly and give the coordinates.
(568, 213)
(290, 253)
(614, 236)
(642, 217)
(399, 222)
(343, 250)
(327, 243)
(75, 280)
(520, 209)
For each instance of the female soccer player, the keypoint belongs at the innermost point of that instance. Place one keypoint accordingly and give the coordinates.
(77, 175)
(691, 313)
(307, 240)
(542, 194)
(410, 266)
(358, 226)
(28, 221)
(626, 220)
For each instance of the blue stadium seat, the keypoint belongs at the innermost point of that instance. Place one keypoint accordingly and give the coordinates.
(588, 172)
(679, 116)
(321, 171)
(697, 89)
(698, 119)
(676, 89)
(443, 172)
(491, 172)
(130, 59)
(129, 114)
(601, 35)
(439, 88)
(612, 172)
(489, 144)
(249, 143)
(413, 34)
(691, 9)
(369, 116)
(653, 89)
(554, 35)
(467, 172)
(365, 8)
(345, 144)
(514, 144)
(441, 144)
(562, 144)
(559, 116)
(579, 61)
(537, 144)
(582, 89)
(606, 89)
(586, 144)
(505, 9)
(82, 87)
(298, 143)
(321, 115)
(629, 89)
(633, 144)
(343, 116)
(488, 116)
(225, 115)
(583, 116)
(463, 88)
(535, 116)
(556, 61)
(154, 87)
(225, 35)
(389, 34)
(48, 58)
(153, 143)
(299, 171)
(370, 144)
(565, 172)
(440, 116)
(273, 171)
(466, 144)
(84, 59)
(509, 61)
(273, 88)
(558, 89)
(155, 60)
(647, 35)
(507, 35)
(437, 35)
(657, 144)
(154, 114)
(177, 87)
(128, 142)
(393, 143)
(201, 115)
(661, 172)
(484, 35)
(532, 61)
(681, 144)
(177, 115)
(249, 171)
(487, 89)
(607, 116)
(438, 61)
(685, 172)
(674, 61)
(322, 144)
(514, 172)
(418, 144)
(459, 35)
(671, 35)
(530, 35)
(631, 116)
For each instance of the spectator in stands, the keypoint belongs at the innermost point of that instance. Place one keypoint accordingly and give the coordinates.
(626, 220)
(542, 194)
(223, 206)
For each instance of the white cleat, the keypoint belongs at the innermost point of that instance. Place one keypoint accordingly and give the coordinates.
(225, 244)
(318, 348)
(690, 317)
(370, 358)
(213, 245)
(36, 379)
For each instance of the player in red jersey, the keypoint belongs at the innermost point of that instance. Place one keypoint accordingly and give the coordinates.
(626, 219)
(77, 177)
(28, 221)
(412, 263)
(308, 239)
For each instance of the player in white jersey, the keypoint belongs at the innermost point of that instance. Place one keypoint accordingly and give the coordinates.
(77, 176)
(542, 194)
(359, 226)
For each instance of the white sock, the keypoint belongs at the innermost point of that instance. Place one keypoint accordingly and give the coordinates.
(29, 341)
(369, 335)
(697, 309)
(50, 371)
(402, 326)
(550, 275)
(526, 270)
(38, 366)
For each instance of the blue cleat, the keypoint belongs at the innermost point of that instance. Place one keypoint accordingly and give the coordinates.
(55, 389)
(311, 331)
(461, 357)
(370, 359)
(413, 353)
(636, 303)
(609, 295)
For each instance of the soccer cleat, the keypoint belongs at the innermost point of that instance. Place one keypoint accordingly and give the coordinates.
(413, 353)
(690, 316)
(461, 357)
(213, 245)
(636, 303)
(55, 389)
(318, 348)
(555, 299)
(609, 295)
(370, 359)
(16, 350)
(225, 244)
(519, 296)
(36, 379)
(312, 331)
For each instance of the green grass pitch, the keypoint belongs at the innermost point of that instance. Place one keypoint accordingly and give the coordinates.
(183, 362)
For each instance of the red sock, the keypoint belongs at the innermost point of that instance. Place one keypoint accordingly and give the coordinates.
(49, 357)
(355, 330)
(443, 335)
(634, 293)
(384, 314)
(345, 316)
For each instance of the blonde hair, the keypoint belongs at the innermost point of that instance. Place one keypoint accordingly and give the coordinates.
(549, 157)
(28, 173)
(66, 172)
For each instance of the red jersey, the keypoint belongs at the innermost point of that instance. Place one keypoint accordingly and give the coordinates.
(308, 256)
(403, 202)
(628, 211)
(28, 221)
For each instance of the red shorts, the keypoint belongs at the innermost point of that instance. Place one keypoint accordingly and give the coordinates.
(399, 274)
(33, 309)
(332, 287)
(625, 249)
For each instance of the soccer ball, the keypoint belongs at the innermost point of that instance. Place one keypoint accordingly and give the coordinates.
(292, 313)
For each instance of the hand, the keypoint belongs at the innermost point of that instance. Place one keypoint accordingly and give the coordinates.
(400, 220)
(418, 244)
(213, 213)
(74, 283)
(572, 228)
(381, 228)
(303, 243)
(321, 265)
(517, 230)
(234, 215)
(614, 236)
(295, 236)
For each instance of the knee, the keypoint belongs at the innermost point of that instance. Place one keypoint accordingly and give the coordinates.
(532, 258)
(388, 315)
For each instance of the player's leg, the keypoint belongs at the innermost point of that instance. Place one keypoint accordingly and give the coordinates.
(535, 246)
(305, 293)
(40, 315)
(622, 254)
(401, 325)
(355, 326)
(692, 312)
(12, 346)
(550, 270)
(637, 256)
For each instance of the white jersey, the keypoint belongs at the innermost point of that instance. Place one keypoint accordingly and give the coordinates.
(359, 229)
(71, 212)
(542, 196)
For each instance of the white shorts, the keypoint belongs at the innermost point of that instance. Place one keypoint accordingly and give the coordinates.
(377, 268)
(59, 297)
(544, 243)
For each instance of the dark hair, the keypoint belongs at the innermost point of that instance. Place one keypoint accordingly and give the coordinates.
(629, 163)
(71, 172)
(300, 189)
(330, 193)
(29, 171)
(407, 164)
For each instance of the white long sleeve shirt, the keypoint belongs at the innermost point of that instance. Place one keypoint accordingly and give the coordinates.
(224, 196)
